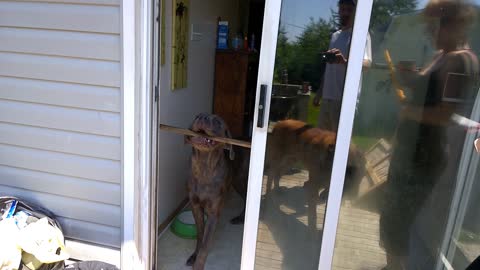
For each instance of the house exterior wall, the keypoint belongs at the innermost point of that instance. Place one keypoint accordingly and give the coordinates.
(60, 112)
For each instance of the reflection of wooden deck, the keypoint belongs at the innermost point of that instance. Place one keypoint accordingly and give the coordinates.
(285, 243)
(357, 244)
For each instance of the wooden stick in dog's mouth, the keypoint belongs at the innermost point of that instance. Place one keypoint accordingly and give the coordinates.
(204, 141)
(189, 132)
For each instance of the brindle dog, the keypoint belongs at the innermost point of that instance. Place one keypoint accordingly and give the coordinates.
(209, 183)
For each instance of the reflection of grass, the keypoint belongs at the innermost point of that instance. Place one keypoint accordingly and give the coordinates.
(466, 236)
(312, 112)
(364, 143)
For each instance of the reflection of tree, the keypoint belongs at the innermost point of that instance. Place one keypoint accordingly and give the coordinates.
(384, 10)
(300, 58)
(284, 54)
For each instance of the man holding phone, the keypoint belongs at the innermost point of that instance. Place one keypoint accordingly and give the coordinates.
(336, 57)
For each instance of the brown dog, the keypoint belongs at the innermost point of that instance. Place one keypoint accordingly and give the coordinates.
(209, 183)
(292, 141)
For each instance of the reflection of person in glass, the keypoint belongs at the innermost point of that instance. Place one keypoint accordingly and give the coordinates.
(331, 91)
(477, 145)
(422, 149)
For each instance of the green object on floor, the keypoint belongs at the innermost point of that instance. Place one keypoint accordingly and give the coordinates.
(184, 225)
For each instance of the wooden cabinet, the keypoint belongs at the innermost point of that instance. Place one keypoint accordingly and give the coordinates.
(234, 95)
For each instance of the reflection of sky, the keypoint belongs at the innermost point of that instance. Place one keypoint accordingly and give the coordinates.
(422, 3)
(297, 13)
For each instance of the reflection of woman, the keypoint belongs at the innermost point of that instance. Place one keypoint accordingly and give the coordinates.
(477, 145)
(421, 146)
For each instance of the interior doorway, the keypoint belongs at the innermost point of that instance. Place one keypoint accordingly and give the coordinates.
(212, 79)
(263, 92)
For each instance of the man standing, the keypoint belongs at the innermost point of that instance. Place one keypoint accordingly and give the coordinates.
(334, 78)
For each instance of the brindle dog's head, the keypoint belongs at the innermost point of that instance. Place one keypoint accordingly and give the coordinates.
(212, 126)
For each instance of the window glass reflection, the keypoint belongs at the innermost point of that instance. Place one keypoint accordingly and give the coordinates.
(311, 61)
(417, 123)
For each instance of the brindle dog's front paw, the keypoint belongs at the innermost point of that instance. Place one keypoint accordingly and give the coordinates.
(238, 220)
(192, 259)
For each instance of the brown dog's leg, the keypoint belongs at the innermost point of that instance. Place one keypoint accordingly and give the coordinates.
(240, 179)
(270, 177)
(319, 178)
(312, 187)
(312, 198)
(200, 223)
(276, 171)
(211, 224)
(242, 191)
(273, 177)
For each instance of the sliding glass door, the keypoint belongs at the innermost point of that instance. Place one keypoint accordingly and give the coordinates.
(416, 123)
(310, 64)
(363, 151)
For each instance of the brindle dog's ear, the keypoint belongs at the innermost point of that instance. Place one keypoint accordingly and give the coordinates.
(230, 146)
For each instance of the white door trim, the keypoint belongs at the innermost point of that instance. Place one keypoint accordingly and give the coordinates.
(146, 202)
(155, 64)
(136, 116)
(344, 134)
(129, 256)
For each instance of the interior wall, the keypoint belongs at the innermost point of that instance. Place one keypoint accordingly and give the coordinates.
(178, 107)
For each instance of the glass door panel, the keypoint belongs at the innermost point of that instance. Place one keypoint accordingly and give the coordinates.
(308, 80)
(417, 120)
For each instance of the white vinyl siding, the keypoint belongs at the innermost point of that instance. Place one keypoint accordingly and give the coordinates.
(60, 122)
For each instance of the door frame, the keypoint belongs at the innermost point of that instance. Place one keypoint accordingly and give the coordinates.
(140, 122)
(461, 197)
(138, 225)
(344, 134)
(138, 206)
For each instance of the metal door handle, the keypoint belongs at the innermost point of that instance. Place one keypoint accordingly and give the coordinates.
(261, 106)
